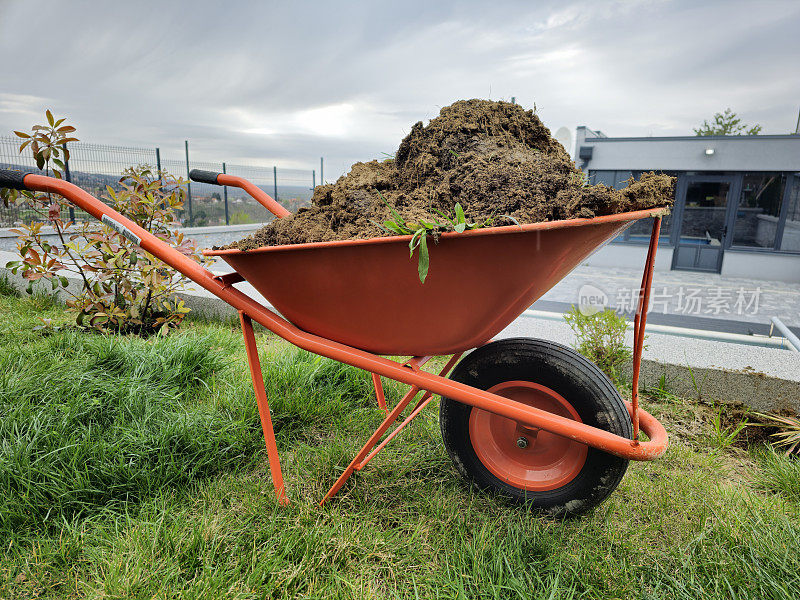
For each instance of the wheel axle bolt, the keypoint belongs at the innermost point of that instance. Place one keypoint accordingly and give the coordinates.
(522, 442)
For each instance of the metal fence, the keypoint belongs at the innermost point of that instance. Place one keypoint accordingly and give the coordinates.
(95, 166)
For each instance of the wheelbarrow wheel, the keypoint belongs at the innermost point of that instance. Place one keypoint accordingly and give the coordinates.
(559, 476)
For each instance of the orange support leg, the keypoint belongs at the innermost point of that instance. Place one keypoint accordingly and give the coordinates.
(387, 422)
(423, 402)
(376, 381)
(263, 407)
(639, 322)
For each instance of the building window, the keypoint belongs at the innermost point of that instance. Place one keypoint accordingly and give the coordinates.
(612, 179)
(621, 179)
(759, 209)
(791, 229)
(604, 177)
(639, 232)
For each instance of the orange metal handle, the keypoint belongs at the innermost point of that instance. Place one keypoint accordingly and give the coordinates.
(231, 180)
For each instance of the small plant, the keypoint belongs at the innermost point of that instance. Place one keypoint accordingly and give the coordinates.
(47, 144)
(695, 385)
(43, 300)
(123, 288)
(579, 179)
(661, 390)
(600, 337)
(723, 436)
(789, 435)
(421, 229)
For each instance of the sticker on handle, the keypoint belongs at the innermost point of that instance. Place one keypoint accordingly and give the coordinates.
(121, 229)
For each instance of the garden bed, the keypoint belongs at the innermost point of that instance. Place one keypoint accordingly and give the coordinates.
(175, 498)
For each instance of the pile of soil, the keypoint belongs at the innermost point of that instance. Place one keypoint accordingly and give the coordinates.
(494, 158)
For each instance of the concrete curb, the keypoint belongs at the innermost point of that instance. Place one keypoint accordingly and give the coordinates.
(766, 379)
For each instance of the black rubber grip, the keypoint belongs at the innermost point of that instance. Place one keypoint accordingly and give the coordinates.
(203, 176)
(12, 179)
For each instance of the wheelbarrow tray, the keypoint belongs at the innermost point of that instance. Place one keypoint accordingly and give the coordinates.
(367, 293)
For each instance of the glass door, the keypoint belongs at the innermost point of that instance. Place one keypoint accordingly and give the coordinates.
(701, 242)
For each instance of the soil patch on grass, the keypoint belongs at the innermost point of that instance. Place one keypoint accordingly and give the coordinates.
(494, 158)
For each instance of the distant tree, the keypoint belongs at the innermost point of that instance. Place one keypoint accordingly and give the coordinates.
(727, 123)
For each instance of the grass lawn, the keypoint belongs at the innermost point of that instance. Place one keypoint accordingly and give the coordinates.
(136, 469)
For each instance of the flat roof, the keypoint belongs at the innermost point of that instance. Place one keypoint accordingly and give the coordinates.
(688, 152)
(696, 138)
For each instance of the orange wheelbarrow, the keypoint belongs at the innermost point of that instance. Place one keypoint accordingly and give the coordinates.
(529, 419)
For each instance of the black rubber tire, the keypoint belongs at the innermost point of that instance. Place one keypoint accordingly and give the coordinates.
(564, 371)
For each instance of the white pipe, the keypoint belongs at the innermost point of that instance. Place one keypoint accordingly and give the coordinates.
(719, 336)
(787, 333)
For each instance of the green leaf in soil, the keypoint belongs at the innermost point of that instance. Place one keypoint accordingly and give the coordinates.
(460, 216)
(415, 241)
(424, 260)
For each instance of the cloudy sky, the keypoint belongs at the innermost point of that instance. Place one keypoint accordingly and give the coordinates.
(284, 83)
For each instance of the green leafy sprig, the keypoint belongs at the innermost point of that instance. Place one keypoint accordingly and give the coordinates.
(421, 229)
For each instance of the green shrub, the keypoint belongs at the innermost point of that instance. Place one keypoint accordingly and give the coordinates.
(600, 337)
(124, 288)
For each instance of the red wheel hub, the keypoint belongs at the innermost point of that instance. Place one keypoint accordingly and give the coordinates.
(525, 457)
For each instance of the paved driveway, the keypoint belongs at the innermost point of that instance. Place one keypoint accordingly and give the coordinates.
(682, 294)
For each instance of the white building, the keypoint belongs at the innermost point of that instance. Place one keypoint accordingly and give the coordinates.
(737, 201)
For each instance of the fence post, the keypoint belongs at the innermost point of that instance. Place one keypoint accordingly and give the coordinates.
(158, 161)
(321, 172)
(225, 197)
(68, 177)
(275, 181)
(188, 183)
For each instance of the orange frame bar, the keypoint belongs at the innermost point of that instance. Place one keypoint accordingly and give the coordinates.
(640, 320)
(408, 373)
(423, 402)
(263, 406)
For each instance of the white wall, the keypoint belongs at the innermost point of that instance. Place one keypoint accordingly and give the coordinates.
(628, 256)
(749, 265)
(757, 265)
